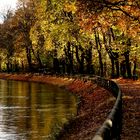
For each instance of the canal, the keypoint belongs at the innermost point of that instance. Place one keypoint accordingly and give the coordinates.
(33, 111)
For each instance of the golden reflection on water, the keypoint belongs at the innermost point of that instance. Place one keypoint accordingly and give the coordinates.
(33, 111)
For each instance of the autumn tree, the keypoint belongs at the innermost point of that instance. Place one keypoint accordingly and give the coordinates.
(7, 35)
(24, 20)
(75, 36)
(108, 15)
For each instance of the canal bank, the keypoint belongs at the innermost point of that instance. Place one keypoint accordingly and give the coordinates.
(94, 106)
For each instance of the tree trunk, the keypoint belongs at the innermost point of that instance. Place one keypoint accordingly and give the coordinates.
(29, 59)
(101, 64)
(37, 57)
(117, 68)
(80, 60)
(28, 47)
(89, 60)
(128, 64)
(113, 55)
(135, 77)
(39, 60)
(134, 69)
(123, 69)
(98, 47)
(69, 56)
(112, 68)
(56, 65)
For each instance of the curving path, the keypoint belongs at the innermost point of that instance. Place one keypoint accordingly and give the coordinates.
(131, 109)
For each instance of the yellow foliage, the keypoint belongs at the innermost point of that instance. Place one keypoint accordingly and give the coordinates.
(48, 44)
(70, 7)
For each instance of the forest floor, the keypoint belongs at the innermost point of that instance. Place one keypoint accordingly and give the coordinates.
(94, 105)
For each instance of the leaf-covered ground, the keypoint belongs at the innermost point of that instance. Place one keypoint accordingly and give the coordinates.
(131, 109)
(95, 105)
(99, 105)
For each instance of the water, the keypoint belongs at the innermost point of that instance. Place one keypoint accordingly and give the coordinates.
(33, 111)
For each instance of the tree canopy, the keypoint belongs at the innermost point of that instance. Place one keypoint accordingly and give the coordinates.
(72, 36)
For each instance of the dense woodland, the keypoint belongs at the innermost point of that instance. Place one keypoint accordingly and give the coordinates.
(99, 37)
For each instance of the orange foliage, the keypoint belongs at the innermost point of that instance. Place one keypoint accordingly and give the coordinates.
(105, 14)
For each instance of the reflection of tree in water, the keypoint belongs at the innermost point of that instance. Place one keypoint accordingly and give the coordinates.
(36, 108)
